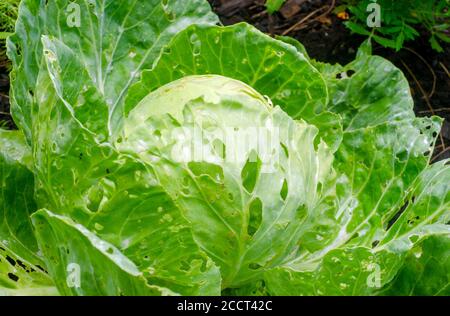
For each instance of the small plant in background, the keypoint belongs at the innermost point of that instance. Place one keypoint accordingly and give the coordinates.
(400, 21)
(8, 15)
(274, 5)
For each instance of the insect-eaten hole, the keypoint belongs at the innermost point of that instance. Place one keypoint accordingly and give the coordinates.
(13, 277)
(250, 172)
(255, 216)
(284, 190)
(400, 212)
(219, 148)
(345, 74)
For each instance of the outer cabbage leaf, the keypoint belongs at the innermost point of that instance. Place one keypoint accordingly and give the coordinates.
(21, 266)
(427, 215)
(425, 271)
(115, 40)
(377, 168)
(367, 92)
(86, 179)
(426, 212)
(83, 264)
(381, 156)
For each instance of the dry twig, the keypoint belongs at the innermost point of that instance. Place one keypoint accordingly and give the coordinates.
(445, 69)
(297, 25)
(433, 89)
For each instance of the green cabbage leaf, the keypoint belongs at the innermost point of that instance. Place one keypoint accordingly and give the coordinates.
(162, 154)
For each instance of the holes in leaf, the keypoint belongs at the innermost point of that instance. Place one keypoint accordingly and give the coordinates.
(375, 243)
(250, 173)
(411, 221)
(11, 261)
(284, 190)
(18, 50)
(301, 212)
(399, 213)
(13, 277)
(219, 148)
(167, 50)
(414, 238)
(24, 266)
(204, 265)
(202, 168)
(355, 235)
(403, 156)
(255, 216)
(254, 266)
(345, 74)
(110, 250)
(184, 265)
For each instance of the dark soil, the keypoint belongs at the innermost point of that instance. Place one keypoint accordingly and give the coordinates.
(327, 39)
(5, 118)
